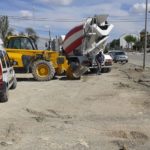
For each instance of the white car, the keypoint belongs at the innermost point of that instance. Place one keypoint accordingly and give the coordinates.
(118, 56)
(107, 64)
(7, 74)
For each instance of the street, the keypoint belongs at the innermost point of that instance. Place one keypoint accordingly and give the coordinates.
(137, 59)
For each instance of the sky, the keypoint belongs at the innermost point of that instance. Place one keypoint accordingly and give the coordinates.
(59, 16)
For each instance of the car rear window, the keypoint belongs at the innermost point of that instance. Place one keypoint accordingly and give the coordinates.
(119, 53)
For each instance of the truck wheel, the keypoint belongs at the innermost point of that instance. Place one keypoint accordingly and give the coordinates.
(14, 85)
(43, 70)
(108, 70)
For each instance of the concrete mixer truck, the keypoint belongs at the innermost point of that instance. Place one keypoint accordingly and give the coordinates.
(84, 41)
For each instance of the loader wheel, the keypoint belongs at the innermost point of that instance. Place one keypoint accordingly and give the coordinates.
(42, 70)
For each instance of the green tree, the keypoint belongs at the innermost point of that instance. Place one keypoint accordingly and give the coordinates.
(32, 33)
(115, 44)
(4, 26)
(131, 40)
(10, 32)
(138, 46)
(21, 33)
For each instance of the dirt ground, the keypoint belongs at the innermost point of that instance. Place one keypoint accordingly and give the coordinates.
(99, 112)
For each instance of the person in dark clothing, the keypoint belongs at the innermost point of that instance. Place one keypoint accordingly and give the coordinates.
(99, 58)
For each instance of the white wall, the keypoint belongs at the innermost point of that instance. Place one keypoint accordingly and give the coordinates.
(123, 42)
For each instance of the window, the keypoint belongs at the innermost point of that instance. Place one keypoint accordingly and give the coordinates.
(2, 59)
(7, 59)
(14, 43)
(26, 44)
(120, 53)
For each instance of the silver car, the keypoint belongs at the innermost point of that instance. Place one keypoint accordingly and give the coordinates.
(118, 56)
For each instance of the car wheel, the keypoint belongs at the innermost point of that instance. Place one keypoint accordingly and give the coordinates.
(4, 97)
(14, 85)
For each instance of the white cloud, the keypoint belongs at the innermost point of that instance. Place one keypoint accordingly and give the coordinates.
(26, 13)
(57, 2)
(139, 7)
(56, 16)
(71, 13)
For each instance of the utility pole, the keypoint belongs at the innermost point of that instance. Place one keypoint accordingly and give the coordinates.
(145, 44)
(49, 42)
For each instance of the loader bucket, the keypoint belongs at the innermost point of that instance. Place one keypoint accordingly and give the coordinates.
(75, 70)
(80, 71)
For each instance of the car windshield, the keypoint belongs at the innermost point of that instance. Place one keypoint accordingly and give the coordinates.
(119, 53)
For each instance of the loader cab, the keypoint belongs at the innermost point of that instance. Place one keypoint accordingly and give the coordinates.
(21, 42)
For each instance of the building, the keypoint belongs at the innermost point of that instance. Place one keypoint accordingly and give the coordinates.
(142, 38)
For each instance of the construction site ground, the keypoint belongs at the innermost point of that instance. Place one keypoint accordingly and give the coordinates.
(110, 111)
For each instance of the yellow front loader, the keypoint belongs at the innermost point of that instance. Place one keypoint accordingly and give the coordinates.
(43, 64)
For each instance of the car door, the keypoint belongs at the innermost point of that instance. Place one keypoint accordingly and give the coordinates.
(10, 70)
(4, 66)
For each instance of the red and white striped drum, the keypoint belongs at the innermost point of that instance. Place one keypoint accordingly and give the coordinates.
(73, 39)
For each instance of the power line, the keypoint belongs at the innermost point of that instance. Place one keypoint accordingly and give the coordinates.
(38, 29)
(122, 19)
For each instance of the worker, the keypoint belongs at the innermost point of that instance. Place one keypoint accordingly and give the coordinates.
(99, 58)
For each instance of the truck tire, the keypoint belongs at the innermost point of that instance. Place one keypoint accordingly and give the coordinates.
(14, 85)
(42, 70)
(106, 70)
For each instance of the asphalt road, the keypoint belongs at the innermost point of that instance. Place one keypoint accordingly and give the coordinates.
(137, 59)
